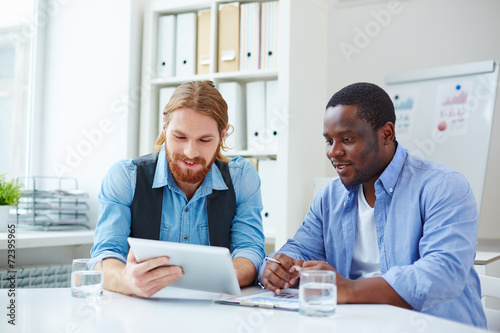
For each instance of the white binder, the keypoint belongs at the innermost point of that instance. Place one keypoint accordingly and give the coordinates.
(232, 92)
(164, 96)
(250, 36)
(272, 109)
(256, 116)
(185, 64)
(269, 35)
(165, 49)
(268, 174)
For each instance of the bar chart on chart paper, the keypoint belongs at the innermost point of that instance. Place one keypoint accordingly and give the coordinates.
(461, 98)
(404, 103)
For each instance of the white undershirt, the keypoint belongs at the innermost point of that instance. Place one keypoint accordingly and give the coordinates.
(365, 259)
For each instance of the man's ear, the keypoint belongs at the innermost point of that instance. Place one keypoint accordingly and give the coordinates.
(224, 132)
(388, 133)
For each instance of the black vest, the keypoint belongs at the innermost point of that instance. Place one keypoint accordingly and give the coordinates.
(146, 207)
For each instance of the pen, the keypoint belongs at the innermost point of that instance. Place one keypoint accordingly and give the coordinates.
(273, 260)
(297, 268)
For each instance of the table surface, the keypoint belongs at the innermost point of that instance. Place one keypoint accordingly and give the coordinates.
(54, 310)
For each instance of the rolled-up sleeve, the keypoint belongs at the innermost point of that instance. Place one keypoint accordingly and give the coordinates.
(247, 236)
(307, 244)
(113, 225)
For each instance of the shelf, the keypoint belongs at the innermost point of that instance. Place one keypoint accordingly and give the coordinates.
(229, 76)
(32, 239)
(248, 153)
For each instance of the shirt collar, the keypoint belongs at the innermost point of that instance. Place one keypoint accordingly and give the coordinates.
(390, 176)
(163, 177)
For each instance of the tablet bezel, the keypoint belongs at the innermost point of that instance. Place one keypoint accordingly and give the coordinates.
(206, 268)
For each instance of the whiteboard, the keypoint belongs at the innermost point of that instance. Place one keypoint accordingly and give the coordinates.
(446, 114)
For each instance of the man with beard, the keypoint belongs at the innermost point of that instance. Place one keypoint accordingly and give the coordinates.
(186, 192)
(396, 229)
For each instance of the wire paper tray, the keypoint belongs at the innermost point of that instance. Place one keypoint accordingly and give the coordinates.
(52, 203)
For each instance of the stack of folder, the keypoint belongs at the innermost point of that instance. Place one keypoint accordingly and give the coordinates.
(255, 116)
(247, 40)
(268, 173)
(263, 118)
(248, 36)
(176, 45)
(269, 29)
(203, 49)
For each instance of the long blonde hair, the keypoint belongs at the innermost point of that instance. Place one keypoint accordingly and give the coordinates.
(202, 97)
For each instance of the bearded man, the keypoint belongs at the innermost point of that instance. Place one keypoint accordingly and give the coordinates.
(187, 191)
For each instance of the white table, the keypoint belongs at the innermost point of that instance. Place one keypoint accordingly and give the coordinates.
(54, 310)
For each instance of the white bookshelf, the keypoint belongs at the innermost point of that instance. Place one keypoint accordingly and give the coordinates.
(301, 75)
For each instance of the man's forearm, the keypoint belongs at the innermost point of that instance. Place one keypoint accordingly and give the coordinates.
(245, 271)
(370, 290)
(113, 272)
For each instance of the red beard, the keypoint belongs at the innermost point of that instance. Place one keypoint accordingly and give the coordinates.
(189, 176)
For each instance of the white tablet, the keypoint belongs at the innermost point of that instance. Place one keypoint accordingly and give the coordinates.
(206, 268)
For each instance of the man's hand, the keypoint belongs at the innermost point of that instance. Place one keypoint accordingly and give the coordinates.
(281, 276)
(344, 285)
(140, 279)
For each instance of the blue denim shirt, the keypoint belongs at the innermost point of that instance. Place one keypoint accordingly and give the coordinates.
(427, 224)
(117, 191)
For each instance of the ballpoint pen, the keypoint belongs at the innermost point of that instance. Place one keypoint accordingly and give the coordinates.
(297, 268)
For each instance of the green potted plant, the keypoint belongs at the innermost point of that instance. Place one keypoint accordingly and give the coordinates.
(10, 193)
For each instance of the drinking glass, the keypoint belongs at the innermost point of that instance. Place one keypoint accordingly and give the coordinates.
(317, 293)
(85, 283)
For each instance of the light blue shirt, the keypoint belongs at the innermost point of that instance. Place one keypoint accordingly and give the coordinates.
(182, 221)
(427, 224)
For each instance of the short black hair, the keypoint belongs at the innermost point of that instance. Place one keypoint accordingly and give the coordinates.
(374, 104)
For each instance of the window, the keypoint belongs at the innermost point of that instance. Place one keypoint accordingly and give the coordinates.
(16, 57)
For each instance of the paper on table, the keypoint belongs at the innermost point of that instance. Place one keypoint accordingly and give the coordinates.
(287, 300)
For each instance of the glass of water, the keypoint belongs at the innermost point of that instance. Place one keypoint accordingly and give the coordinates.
(317, 293)
(85, 283)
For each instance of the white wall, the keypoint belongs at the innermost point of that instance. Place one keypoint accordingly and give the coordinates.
(417, 34)
(15, 12)
(91, 65)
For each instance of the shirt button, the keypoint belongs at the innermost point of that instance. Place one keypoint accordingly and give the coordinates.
(390, 190)
(186, 209)
(185, 238)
